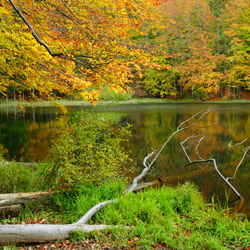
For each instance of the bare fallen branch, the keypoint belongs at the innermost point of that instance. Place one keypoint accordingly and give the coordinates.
(147, 166)
(180, 128)
(93, 211)
(40, 232)
(218, 171)
(238, 144)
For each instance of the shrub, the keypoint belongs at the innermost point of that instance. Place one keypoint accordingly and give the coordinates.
(88, 150)
(110, 95)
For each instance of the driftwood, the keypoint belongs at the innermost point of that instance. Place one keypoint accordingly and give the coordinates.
(42, 233)
(11, 204)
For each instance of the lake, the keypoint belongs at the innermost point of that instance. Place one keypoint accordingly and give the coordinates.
(222, 135)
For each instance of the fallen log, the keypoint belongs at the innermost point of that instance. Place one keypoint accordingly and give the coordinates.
(42, 232)
(19, 198)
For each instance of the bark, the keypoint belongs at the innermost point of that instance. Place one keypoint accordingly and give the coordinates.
(46, 232)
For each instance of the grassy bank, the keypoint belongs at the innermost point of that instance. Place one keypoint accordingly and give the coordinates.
(66, 103)
(164, 218)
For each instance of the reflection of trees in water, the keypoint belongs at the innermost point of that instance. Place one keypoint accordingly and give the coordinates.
(26, 137)
(219, 128)
(29, 138)
(13, 137)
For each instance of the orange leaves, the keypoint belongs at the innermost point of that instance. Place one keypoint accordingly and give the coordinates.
(92, 36)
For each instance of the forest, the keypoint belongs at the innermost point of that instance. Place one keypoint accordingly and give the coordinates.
(87, 190)
(174, 49)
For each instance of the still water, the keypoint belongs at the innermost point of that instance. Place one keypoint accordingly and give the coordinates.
(222, 135)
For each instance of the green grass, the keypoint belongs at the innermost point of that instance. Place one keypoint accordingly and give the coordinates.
(16, 178)
(177, 218)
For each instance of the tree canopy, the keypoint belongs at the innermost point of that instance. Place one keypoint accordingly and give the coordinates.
(73, 47)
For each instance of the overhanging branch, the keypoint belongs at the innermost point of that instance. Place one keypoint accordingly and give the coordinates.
(34, 34)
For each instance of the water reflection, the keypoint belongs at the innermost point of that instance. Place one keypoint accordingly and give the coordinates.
(27, 136)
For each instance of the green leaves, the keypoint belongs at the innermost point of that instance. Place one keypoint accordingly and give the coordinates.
(88, 150)
(161, 81)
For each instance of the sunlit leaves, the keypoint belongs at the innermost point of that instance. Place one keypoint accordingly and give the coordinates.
(92, 38)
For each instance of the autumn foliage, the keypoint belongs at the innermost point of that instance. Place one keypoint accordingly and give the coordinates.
(74, 47)
(71, 47)
(207, 42)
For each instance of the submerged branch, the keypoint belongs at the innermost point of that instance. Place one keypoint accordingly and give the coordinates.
(218, 171)
(242, 159)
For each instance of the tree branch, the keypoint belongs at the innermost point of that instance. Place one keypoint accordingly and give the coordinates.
(220, 174)
(33, 31)
(242, 159)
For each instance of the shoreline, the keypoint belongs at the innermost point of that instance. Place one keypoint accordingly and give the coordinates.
(132, 101)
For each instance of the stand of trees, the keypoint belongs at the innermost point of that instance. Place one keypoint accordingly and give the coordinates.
(206, 49)
(178, 48)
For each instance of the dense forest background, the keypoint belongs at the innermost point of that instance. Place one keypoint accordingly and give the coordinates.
(176, 48)
(207, 49)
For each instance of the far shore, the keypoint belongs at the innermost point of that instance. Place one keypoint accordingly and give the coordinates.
(132, 101)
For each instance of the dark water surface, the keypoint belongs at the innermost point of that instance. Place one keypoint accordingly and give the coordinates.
(27, 137)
